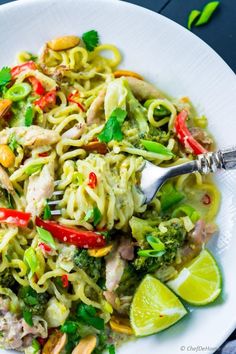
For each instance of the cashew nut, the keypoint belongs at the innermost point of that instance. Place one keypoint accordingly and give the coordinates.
(120, 73)
(121, 325)
(7, 157)
(100, 252)
(5, 105)
(86, 345)
(55, 343)
(63, 43)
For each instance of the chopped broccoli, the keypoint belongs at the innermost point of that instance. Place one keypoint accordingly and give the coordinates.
(140, 228)
(6, 279)
(33, 302)
(156, 134)
(91, 265)
(173, 239)
(129, 281)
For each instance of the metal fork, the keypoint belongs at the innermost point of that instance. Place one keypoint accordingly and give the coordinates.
(153, 177)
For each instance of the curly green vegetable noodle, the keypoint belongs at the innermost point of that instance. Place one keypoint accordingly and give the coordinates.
(71, 261)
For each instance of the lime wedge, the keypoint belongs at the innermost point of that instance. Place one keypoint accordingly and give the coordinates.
(200, 282)
(154, 307)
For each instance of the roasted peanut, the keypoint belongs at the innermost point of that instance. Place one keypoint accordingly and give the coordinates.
(55, 343)
(121, 325)
(120, 73)
(63, 43)
(97, 146)
(100, 252)
(5, 105)
(86, 345)
(7, 157)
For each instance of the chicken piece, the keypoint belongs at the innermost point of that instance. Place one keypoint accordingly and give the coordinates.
(30, 137)
(11, 332)
(95, 108)
(5, 181)
(112, 298)
(142, 90)
(201, 234)
(16, 334)
(75, 132)
(202, 137)
(126, 249)
(115, 266)
(39, 189)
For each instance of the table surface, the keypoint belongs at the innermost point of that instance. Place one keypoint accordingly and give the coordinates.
(219, 33)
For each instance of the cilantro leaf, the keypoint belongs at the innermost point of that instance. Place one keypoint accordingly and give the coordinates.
(91, 39)
(112, 128)
(5, 76)
(29, 116)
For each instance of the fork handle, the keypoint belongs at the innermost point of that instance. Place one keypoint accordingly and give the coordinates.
(207, 163)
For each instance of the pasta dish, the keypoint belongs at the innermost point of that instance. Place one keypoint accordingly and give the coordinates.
(76, 240)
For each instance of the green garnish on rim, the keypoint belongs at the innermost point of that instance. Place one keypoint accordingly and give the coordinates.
(91, 40)
(203, 16)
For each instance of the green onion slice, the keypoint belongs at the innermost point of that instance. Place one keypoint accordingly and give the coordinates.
(18, 92)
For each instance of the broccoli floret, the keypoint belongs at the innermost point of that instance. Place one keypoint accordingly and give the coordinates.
(32, 301)
(90, 265)
(141, 228)
(6, 279)
(173, 239)
(129, 281)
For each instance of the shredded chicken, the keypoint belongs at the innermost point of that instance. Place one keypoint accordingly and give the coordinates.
(5, 181)
(202, 137)
(112, 298)
(142, 89)
(75, 132)
(95, 108)
(16, 334)
(115, 266)
(126, 249)
(39, 189)
(201, 234)
(30, 137)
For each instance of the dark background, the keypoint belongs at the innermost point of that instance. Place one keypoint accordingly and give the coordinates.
(219, 33)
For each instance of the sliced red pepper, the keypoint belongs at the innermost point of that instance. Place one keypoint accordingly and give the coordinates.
(16, 70)
(206, 199)
(64, 280)
(15, 217)
(92, 180)
(45, 247)
(184, 135)
(78, 237)
(43, 154)
(48, 100)
(37, 86)
(74, 98)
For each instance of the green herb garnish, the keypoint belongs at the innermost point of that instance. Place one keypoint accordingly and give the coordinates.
(91, 40)
(27, 315)
(13, 144)
(207, 13)
(111, 349)
(33, 168)
(203, 16)
(46, 237)
(112, 128)
(194, 14)
(5, 77)
(29, 116)
(47, 214)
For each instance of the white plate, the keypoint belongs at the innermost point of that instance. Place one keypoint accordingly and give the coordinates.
(180, 64)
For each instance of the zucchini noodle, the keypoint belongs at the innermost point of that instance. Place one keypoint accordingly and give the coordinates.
(84, 131)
